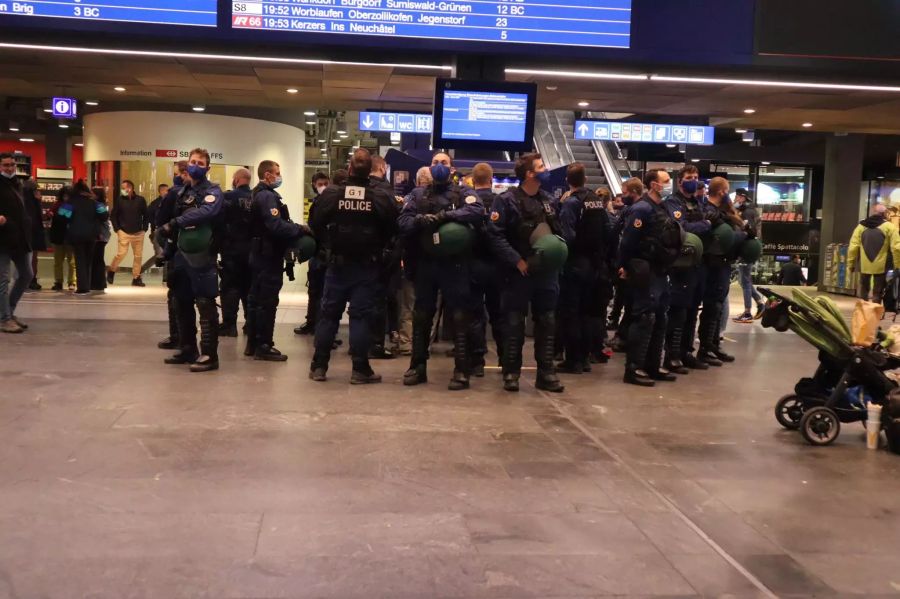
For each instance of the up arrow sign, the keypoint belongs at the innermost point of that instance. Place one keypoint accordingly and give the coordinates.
(368, 122)
(583, 129)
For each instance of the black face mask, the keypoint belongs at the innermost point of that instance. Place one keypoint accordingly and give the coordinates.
(627, 200)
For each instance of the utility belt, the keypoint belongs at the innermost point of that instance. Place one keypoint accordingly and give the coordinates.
(263, 247)
(333, 259)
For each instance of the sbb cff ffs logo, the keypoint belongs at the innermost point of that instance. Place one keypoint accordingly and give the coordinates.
(167, 153)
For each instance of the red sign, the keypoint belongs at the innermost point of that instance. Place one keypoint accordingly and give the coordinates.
(167, 153)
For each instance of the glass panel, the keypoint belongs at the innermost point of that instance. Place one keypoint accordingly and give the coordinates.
(783, 194)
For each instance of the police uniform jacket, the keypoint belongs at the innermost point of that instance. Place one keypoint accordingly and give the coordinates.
(271, 223)
(586, 225)
(689, 212)
(516, 214)
(642, 230)
(238, 212)
(199, 204)
(458, 203)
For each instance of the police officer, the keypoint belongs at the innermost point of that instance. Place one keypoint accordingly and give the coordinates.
(620, 316)
(272, 235)
(517, 213)
(390, 267)
(196, 225)
(685, 282)
(651, 241)
(166, 252)
(355, 221)
(718, 274)
(586, 282)
(315, 272)
(425, 211)
(235, 264)
(485, 283)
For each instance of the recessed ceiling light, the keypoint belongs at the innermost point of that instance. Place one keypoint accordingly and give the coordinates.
(321, 141)
(766, 163)
(552, 88)
(26, 139)
(740, 130)
(292, 90)
(79, 145)
(749, 110)
(341, 132)
(92, 103)
(695, 160)
(198, 108)
(63, 126)
(310, 113)
(337, 141)
(343, 136)
(310, 122)
(807, 125)
(670, 145)
(119, 88)
(14, 129)
(583, 104)
(48, 110)
(879, 177)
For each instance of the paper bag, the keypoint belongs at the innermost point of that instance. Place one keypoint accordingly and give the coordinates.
(866, 318)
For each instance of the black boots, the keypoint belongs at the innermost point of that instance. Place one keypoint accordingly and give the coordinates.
(421, 337)
(268, 353)
(460, 379)
(187, 334)
(709, 334)
(640, 337)
(171, 342)
(544, 341)
(674, 341)
(209, 336)
(637, 376)
(513, 338)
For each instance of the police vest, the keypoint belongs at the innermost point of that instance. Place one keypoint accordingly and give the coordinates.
(430, 205)
(533, 211)
(197, 238)
(356, 231)
(593, 226)
(487, 198)
(238, 221)
(662, 239)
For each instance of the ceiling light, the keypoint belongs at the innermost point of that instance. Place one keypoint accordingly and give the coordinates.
(740, 130)
(198, 108)
(48, 110)
(341, 132)
(91, 103)
(26, 139)
(292, 90)
(765, 163)
(13, 129)
(337, 141)
(769, 83)
(310, 122)
(695, 160)
(79, 145)
(580, 74)
(63, 126)
(119, 88)
(807, 125)
(583, 104)
(670, 145)
(749, 110)
(321, 141)
(310, 113)
(210, 56)
(344, 136)
(552, 88)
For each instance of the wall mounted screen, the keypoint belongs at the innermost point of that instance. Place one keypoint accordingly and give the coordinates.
(160, 12)
(582, 23)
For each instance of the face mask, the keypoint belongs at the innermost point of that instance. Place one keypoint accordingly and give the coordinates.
(177, 181)
(544, 177)
(8, 175)
(125, 192)
(440, 173)
(666, 191)
(197, 172)
(690, 187)
(277, 183)
(320, 189)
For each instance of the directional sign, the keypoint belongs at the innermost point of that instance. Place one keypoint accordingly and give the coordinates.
(395, 122)
(644, 133)
(65, 108)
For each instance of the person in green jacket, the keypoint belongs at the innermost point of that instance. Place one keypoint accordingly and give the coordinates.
(871, 241)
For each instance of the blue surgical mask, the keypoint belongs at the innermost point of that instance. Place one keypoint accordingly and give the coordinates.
(690, 186)
(544, 177)
(177, 181)
(197, 172)
(277, 183)
(440, 173)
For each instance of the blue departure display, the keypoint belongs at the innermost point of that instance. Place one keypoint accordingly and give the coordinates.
(162, 12)
(583, 23)
(484, 116)
(645, 132)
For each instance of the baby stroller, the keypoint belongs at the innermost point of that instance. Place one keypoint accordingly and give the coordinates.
(821, 403)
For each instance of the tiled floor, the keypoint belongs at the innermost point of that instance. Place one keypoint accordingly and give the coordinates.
(123, 477)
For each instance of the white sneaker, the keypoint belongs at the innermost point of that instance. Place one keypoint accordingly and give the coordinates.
(10, 326)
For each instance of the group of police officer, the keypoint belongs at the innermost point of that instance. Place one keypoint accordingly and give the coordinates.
(489, 258)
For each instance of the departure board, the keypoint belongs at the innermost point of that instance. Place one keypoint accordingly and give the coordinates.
(583, 23)
(161, 12)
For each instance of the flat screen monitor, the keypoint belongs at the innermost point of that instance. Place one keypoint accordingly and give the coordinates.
(151, 12)
(483, 115)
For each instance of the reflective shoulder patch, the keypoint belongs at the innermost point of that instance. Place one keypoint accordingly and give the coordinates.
(209, 199)
(677, 214)
(471, 200)
(638, 223)
(354, 193)
(274, 211)
(495, 216)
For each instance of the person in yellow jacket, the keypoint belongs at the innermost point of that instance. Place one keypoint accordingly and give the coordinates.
(871, 241)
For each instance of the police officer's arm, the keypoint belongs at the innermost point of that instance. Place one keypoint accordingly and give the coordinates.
(698, 226)
(209, 208)
(504, 220)
(407, 219)
(569, 213)
(166, 210)
(500, 247)
(631, 235)
(387, 210)
(270, 213)
(469, 213)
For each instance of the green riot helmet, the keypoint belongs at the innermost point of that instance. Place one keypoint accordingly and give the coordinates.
(691, 252)
(550, 251)
(720, 241)
(305, 248)
(195, 240)
(750, 251)
(450, 239)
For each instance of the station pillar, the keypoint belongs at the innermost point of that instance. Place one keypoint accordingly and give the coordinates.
(840, 203)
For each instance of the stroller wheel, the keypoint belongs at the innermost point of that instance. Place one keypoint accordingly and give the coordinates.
(820, 426)
(789, 411)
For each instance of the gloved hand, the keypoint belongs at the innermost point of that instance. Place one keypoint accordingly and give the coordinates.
(305, 230)
(442, 217)
(168, 229)
(426, 220)
(750, 231)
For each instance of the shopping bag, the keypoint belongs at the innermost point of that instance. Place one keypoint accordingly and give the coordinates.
(866, 318)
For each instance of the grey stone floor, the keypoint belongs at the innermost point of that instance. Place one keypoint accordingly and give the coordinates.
(123, 477)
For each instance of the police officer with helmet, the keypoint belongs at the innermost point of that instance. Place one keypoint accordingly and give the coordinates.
(525, 215)
(442, 205)
(651, 241)
(195, 227)
(586, 282)
(315, 271)
(166, 252)
(272, 235)
(687, 207)
(355, 221)
(235, 253)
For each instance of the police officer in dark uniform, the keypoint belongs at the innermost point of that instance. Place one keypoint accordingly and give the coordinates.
(517, 213)
(355, 221)
(315, 270)
(718, 275)
(586, 282)
(425, 211)
(235, 254)
(651, 241)
(685, 282)
(272, 235)
(390, 266)
(620, 316)
(196, 226)
(164, 213)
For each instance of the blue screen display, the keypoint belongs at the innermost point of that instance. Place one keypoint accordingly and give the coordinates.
(163, 12)
(484, 116)
(582, 23)
(645, 132)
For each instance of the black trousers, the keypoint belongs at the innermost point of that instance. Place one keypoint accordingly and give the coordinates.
(84, 262)
(874, 284)
(98, 269)
(262, 301)
(234, 286)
